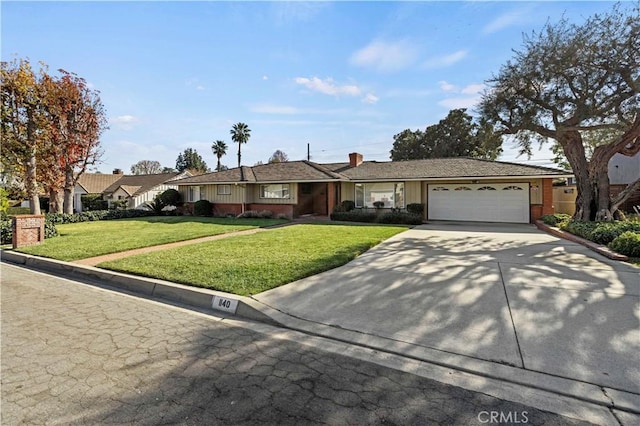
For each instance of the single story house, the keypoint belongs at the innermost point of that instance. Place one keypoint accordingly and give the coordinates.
(135, 189)
(464, 189)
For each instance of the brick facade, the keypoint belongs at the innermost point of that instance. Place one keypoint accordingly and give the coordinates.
(28, 230)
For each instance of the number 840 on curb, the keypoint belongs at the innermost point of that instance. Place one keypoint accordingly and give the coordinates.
(224, 304)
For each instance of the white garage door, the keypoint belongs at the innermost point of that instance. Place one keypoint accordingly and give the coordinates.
(504, 202)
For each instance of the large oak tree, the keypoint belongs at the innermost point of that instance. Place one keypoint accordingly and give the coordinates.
(568, 81)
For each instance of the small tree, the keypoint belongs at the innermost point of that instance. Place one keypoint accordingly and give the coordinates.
(146, 167)
(278, 157)
(171, 197)
(191, 160)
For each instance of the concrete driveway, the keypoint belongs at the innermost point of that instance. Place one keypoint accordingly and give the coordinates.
(497, 292)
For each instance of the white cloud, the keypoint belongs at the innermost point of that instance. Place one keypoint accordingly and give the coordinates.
(200, 87)
(446, 60)
(385, 56)
(447, 87)
(471, 95)
(328, 86)
(473, 89)
(370, 98)
(124, 122)
(507, 19)
(265, 77)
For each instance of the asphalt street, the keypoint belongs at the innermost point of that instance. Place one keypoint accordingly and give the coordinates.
(78, 354)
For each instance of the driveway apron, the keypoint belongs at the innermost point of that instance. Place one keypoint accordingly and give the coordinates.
(498, 292)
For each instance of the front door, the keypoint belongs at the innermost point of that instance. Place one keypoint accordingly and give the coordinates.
(312, 198)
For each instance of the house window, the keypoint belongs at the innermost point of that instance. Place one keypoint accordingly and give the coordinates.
(486, 188)
(440, 188)
(280, 190)
(512, 188)
(224, 189)
(391, 194)
(306, 188)
(193, 194)
(463, 188)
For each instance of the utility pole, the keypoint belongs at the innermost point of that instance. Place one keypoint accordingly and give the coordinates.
(308, 153)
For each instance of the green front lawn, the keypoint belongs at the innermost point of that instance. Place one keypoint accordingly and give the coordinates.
(89, 239)
(251, 264)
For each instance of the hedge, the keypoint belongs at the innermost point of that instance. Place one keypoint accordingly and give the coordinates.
(555, 219)
(599, 232)
(368, 216)
(627, 243)
(6, 231)
(96, 215)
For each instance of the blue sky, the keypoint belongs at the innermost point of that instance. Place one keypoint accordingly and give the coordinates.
(340, 76)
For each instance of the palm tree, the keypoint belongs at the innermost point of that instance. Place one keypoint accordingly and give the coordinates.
(219, 149)
(240, 134)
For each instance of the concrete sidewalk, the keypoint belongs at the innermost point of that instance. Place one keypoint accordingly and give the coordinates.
(508, 294)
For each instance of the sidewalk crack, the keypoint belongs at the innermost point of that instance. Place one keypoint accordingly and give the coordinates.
(515, 332)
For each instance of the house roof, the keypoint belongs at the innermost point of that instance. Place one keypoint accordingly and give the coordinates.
(96, 183)
(436, 168)
(441, 168)
(290, 171)
(138, 184)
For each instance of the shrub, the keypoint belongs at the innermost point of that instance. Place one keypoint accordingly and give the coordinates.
(354, 216)
(265, 214)
(50, 229)
(606, 232)
(203, 208)
(93, 202)
(12, 211)
(627, 243)
(119, 204)
(171, 197)
(6, 232)
(156, 205)
(249, 214)
(61, 218)
(415, 208)
(4, 200)
(581, 229)
(400, 217)
(378, 204)
(555, 219)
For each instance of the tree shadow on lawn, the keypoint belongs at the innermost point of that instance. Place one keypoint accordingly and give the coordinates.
(575, 313)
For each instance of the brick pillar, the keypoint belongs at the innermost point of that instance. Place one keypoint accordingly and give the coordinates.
(547, 196)
(331, 197)
(28, 230)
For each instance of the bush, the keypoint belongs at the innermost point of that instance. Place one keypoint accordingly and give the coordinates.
(171, 197)
(378, 204)
(581, 229)
(92, 202)
(249, 214)
(400, 217)
(6, 232)
(555, 219)
(345, 206)
(415, 208)
(355, 216)
(606, 232)
(627, 243)
(203, 208)
(156, 206)
(61, 218)
(12, 211)
(50, 229)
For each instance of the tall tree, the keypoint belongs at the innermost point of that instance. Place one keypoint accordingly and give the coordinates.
(457, 135)
(278, 157)
(191, 160)
(77, 119)
(147, 167)
(23, 123)
(240, 133)
(569, 80)
(219, 149)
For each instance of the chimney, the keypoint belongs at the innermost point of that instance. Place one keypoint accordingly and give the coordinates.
(118, 172)
(355, 159)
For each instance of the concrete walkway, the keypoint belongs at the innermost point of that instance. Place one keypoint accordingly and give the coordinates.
(509, 294)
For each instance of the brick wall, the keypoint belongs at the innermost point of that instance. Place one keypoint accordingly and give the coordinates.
(224, 209)
(277, 209)
(547, 196)
(28, 230)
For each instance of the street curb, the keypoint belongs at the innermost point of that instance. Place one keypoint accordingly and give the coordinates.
(600, 249)
(149, 287)
(255, 310)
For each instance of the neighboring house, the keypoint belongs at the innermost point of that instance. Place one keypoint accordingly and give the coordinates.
(135, 189)
(450, 188)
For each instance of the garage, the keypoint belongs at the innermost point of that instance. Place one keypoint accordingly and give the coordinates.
(484, 202)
